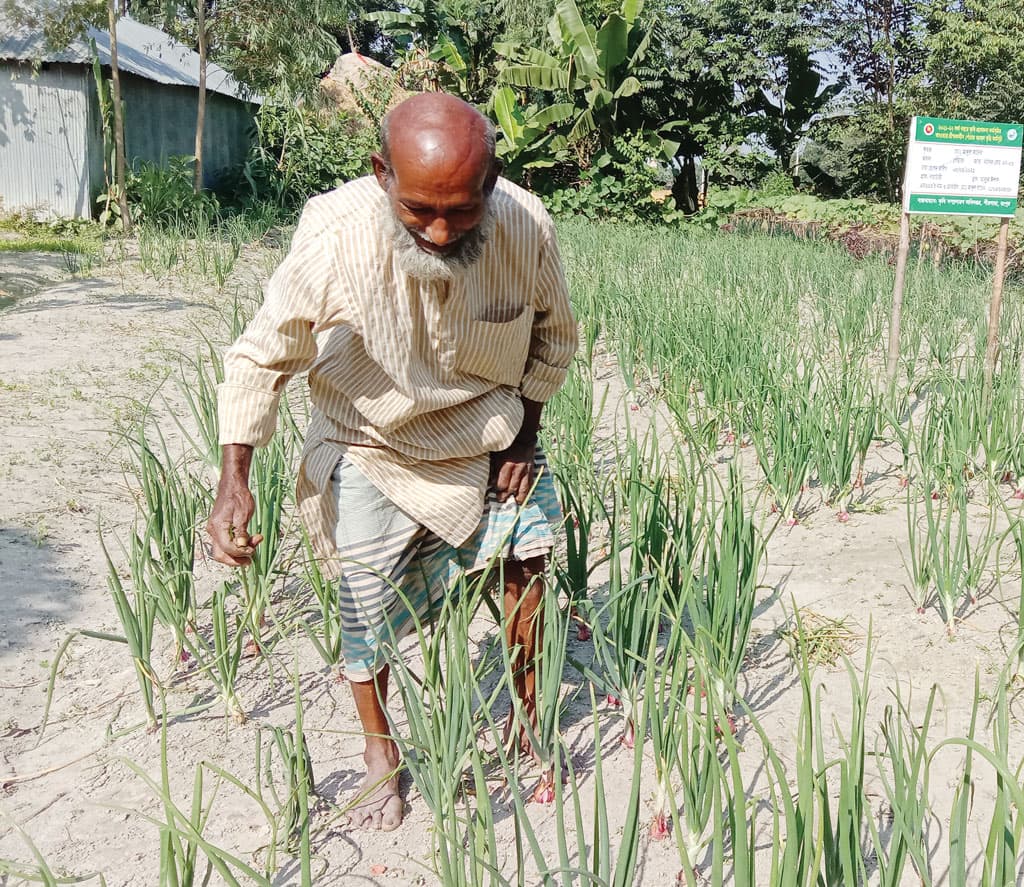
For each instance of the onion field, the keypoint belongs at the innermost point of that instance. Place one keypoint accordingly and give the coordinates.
(783, 630)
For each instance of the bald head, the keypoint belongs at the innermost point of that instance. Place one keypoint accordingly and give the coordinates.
(435, 128)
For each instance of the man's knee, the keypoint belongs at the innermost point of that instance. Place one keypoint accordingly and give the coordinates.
(526, 576)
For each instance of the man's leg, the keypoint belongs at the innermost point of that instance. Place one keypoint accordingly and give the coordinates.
(523, 594)
(381, 808)
(377, 543)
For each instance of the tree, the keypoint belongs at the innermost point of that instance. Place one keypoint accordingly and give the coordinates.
(444, 44)
(713, 57)
(789, 108)
(202, 39)
(600, 70)
(859, 149)
(975, 60)
(115, 81)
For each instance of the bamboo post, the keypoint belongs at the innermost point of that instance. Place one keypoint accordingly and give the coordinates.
(996, 307)
(897, 300)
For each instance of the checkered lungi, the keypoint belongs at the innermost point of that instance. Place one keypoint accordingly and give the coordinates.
(396, 572)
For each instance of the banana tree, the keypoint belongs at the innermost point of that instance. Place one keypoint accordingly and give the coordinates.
(598, 70)
(527, 138)
(788, 112)
(451, 41)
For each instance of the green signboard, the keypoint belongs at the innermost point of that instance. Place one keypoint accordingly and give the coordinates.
(962, 167)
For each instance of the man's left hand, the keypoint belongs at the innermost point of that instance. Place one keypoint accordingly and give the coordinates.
(512, 471)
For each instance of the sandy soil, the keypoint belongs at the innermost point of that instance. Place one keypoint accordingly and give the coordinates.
(74, 357)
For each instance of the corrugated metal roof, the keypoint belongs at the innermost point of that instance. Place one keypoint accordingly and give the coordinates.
(141, 50)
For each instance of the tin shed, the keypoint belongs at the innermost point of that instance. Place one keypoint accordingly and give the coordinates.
(51, 141)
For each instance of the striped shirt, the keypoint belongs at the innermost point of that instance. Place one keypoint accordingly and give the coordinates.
(416, 381)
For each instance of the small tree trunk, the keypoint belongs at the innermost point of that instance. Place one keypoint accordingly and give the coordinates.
(119, 162)
(201, 104)
(684, 188)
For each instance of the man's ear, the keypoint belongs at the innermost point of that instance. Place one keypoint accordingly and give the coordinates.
(492, 176)
(382, 170)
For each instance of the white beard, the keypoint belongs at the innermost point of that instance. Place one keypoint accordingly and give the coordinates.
(418, 263)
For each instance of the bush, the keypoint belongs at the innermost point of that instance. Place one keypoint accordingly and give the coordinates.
(164, 195)
(777, 184)
(300, 151)
(620, 185)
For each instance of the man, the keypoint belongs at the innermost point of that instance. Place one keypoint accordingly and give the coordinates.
(449, 326)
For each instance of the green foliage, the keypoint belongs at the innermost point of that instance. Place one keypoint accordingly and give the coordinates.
(600, 70)
(526, 136)
(788, 110)
(448, 45)
(164, 195)
(301, 151)
(974, 67)
(859, 153)
(777, 184)
(618, 186)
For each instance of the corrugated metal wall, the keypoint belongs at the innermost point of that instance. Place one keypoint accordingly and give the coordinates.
(51, 146)
(160, 122)
(44, 139)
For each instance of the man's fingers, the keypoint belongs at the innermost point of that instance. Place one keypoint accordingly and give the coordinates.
(514, 479)
(232, 546)
(503, 485)
(525, 485)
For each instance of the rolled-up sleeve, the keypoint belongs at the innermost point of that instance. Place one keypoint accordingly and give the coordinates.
(554, 339)
(279, 342)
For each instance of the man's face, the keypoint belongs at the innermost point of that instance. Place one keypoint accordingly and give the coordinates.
(420, 255)
(440, 206)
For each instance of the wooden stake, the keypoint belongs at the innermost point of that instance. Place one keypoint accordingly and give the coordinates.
(996, 307)
(897, 300)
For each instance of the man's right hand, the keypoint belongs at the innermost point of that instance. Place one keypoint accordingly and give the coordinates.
(228, 526)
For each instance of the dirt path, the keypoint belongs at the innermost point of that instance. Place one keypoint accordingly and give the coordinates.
(74, 359)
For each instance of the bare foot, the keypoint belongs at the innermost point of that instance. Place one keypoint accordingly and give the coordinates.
(377, 804)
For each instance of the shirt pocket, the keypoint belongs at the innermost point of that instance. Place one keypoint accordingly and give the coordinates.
(496, 351)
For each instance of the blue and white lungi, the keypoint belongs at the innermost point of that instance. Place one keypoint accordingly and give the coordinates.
(396, 572)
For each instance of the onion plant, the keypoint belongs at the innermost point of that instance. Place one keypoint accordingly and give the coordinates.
(722, 606)
(228, 645)
(197, 385)
(164, 554)
(270, 484)
(137, 615)
(1000, 426)
(949, 550)
(733, 834)
(844, 832)
(1004, 844)
(898, 418)
(903, 765)
(438, 744)
(181, 832)
(782, 431)
(622, 630)
(326, 634)
(846, 416)
(684, 736)
(1015, 532)
(569, 428)
(918, 558)
(298, 773)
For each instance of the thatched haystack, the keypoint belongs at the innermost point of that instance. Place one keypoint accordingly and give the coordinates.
(362, 86)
